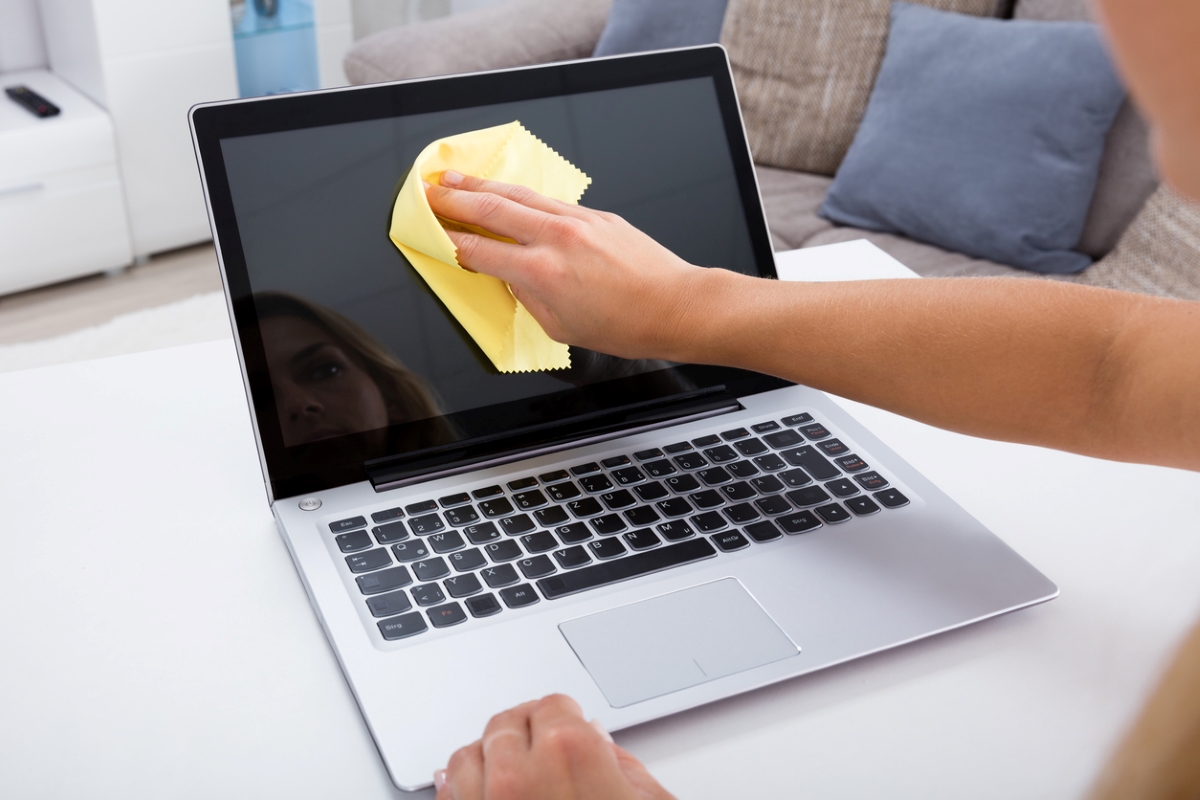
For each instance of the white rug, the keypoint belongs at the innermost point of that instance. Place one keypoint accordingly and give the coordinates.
(198, 319)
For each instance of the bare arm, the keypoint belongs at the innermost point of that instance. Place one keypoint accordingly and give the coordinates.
(1088, 370)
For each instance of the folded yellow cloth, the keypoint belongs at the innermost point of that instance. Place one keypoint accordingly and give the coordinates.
(484, 305)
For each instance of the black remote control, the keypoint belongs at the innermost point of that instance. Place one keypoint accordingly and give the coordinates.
(33, 102)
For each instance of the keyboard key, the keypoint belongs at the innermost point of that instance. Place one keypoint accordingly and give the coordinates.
(431, 569)
(691, 461)
(392, 532)
(833, 447)
(795, 477)
(842, 487)
(730, 541)
(707, 441)
(833, 513)
(764, 531)
(862, 506)
(675, 530)
(348, 524)
(536, 566)
(891, 498)
(463, 585)
(428, 594)
(767, 484)
(355, 540)
(467, 560)
(549, 517)
(798, 419)
(651, 491)
(675, 507)
(773, 505)
(742, 469)
(403, 626)
(678, 447)
(850, 463)
(769, 462)
(815, 431)
(646, 455)
(615, 461)
(554, 477)
(783, 439)
(446, 542)
(384, 580)
(368, 561)
(628, 476)
(798, 522)
(387, 515)
(464, 515)
(811, 496)
(594, 484)
(515, 526)
(500, 575)
(454, 500)
(641, 516)
(741, 513)
(422, 526)
(572, 557)
(483, 606)
(765, 427)
(618, 499)
(607, 525)
(750, 447)
(721, 455)
(486, 492)
(527, 500)
(447, 615)
(505, 550)
(606, 548)
(410, 551)
(574, 533)
(390, 604)
(522, 483)
(562, 492)
(587, 507)
(518, 596)
(660, 469)
(482, 533)
(737, 491)
(714, 476)
(642, 539)
(421, 507)
(871, 481)
(638, 564)
(539, 542)
(585, 469)
(709, 522)
(736, 433)
(813, 462)
(496, 508)
(682, 484)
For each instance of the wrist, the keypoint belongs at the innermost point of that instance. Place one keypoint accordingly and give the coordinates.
(704, 325)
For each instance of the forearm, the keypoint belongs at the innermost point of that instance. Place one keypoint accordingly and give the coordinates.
(1051, 364)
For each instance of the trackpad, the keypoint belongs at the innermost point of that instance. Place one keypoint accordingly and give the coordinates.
(682, 639)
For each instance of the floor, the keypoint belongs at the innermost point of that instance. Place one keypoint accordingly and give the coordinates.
(65, 307)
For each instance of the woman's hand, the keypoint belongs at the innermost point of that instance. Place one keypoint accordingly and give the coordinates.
(544, 750)
(589, 277)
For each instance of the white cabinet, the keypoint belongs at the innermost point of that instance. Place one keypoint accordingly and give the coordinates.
(61, 210)
(147, 62)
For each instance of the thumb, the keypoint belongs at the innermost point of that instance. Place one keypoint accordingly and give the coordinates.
(541, 312)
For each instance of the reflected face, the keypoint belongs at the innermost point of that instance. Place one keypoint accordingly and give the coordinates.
(321, 389)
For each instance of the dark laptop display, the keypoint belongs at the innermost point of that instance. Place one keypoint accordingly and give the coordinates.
(355, 366)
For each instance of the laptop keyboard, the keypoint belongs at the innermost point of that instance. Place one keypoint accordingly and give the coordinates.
(439, 562)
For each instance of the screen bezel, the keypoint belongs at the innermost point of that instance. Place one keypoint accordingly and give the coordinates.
(335, 462)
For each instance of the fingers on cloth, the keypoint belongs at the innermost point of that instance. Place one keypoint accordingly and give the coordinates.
(464, 774)
(516, 193)
(491, 257)
(489, 211)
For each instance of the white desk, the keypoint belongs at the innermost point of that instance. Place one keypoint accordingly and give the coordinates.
(157, 642)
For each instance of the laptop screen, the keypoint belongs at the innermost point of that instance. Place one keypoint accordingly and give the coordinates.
(350, 357)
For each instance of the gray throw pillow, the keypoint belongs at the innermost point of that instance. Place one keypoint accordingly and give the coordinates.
(982, 136)
(635, 26)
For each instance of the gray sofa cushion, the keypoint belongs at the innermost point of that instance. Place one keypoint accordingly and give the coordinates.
(982, 136)
(635, 26)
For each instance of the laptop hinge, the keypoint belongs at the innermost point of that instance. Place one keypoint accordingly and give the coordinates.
(474, 454)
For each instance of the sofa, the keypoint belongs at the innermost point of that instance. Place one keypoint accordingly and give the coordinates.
(1142, 236)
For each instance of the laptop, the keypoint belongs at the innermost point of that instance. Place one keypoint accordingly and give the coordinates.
(644, 536)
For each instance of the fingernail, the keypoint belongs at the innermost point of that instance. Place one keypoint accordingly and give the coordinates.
(451, 178)
(439, 779)
(426, 184)
(600, 729)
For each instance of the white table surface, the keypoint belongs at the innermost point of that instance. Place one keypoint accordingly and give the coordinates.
(155, 640)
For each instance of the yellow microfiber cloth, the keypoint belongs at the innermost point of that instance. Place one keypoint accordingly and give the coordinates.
(484, 305)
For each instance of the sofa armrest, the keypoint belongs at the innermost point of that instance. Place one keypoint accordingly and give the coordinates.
(512, 34)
